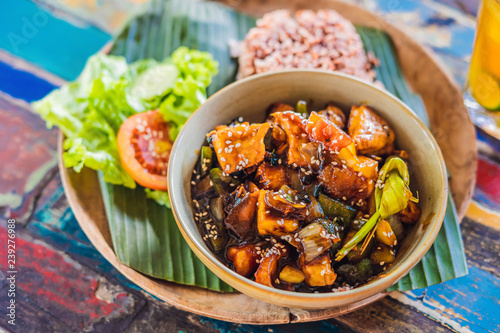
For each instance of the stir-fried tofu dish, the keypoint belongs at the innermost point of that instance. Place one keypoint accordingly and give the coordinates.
(307, 201)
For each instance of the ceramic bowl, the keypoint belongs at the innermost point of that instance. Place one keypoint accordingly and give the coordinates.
(249, 98)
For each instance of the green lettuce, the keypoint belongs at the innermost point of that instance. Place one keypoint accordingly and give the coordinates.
(160, 197)
(90, 110)
(189, 91)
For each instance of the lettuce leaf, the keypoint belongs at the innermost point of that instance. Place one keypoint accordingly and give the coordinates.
(189, 92)
(90, 110)
(160, 197)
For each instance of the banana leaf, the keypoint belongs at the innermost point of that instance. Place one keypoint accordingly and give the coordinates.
(445, 260)
(145, 235)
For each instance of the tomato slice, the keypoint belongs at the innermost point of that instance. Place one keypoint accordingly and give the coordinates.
(144, 146)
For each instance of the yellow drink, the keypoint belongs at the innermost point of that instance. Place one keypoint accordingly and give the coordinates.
(484, 71)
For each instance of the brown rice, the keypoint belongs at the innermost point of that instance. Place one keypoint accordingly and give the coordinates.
(322, 40)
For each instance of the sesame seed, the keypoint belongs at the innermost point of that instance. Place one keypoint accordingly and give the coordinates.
(228, 142)
(382, 263)
(320, 249)
(229, 134)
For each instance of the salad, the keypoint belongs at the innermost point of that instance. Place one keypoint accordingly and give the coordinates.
(122, 119)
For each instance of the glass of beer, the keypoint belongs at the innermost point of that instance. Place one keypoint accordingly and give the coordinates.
(484, 71)
(482, 95)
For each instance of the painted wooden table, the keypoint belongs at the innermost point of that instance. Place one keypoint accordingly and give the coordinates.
(64, 285)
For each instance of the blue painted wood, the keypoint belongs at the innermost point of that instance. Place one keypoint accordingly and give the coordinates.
(467, 6)
(14, 82)
(471, 301)
(36, 35)
(445, 33)
(325, 326)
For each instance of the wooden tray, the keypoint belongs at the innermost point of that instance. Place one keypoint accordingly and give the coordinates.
(450, 124)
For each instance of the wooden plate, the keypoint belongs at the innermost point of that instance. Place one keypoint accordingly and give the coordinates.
(450, 124)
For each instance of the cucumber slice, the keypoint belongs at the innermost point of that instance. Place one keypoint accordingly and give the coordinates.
(155, 81)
